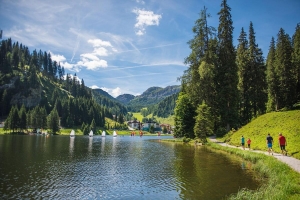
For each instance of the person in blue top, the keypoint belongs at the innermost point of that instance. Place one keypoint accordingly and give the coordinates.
(243, 142)
(269, 141)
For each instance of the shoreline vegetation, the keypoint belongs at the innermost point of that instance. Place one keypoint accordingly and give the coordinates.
(78, 132)
(282, 182)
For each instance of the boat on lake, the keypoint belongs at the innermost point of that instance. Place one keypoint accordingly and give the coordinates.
(91, 133)
(72, 134)
(115, 134)
(103, 133)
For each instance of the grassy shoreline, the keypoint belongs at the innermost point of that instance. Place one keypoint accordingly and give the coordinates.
(282, 181)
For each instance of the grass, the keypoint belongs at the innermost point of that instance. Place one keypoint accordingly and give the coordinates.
(169, 120)
(282, 182)
(287, 123)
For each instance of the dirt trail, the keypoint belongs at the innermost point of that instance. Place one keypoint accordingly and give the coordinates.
(290, 161)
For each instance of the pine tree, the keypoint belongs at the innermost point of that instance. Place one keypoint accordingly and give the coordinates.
(53, 121)
(226, 75)
(285, 71)
(242, 61)
(93, 126)
(201, 45)
(257, 82)
(272, 79)
(296, 59)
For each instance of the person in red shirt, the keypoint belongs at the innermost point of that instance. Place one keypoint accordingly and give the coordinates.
(282, 143)
(249, 143)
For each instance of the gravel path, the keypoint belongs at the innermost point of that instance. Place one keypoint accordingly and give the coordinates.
(290, 161)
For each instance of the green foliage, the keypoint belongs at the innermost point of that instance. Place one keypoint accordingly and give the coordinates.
(296, 59)
(284, 68)
(184, 117)
(151, 96)
(274, 123)
(186, 140)
(272, 78)
(204, 123)
(226, 75)
(166, 107)
(53, 122)
(36, 81)
(252, 79)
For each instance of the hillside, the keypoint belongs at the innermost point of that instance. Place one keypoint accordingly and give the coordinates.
(151, 96)
(34, 85)
(288, 123)
(125, 98)
(103, 93)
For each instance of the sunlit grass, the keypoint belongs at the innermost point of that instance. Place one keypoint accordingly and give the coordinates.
(287, 123)
(169, 120)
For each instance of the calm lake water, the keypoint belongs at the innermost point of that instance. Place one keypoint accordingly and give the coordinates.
(60, 167)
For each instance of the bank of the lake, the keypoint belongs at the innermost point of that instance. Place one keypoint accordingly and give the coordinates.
(281, 181)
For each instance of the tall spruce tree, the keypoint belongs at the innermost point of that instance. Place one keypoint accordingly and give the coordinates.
(242, 61)
(296, 59)
(285, 70)
(272, 79)
(257, 78)
(226, 76)
(200, 46)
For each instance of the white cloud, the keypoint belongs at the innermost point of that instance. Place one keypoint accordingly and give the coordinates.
(89, 56)
(92, 64)
(94, 87)
(145, 18)
(100, 51)
(113, 92)
(57, 58)
(99, 43)
(70, 67)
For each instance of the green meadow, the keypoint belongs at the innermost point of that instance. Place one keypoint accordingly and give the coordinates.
(169, 120)
(287, 123)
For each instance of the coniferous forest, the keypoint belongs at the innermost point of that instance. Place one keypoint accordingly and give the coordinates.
(35, 93)
(225, 87)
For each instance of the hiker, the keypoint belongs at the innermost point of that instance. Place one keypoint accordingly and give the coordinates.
(282, 143)
(249, 143)
(243, 142)
(269, 143)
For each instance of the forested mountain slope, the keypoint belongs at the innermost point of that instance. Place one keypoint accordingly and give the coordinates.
(125, 98)
(152, 96)
(35, 82)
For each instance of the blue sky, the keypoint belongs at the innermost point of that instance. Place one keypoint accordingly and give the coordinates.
(127, 46)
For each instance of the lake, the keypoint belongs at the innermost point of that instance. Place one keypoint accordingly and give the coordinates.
(60, 167)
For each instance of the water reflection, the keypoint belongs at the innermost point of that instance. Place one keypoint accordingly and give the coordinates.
(102, 144)
(33, 167)
(90, 148)
(71, 146)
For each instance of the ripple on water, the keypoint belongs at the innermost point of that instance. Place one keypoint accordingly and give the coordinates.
(120, 168)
